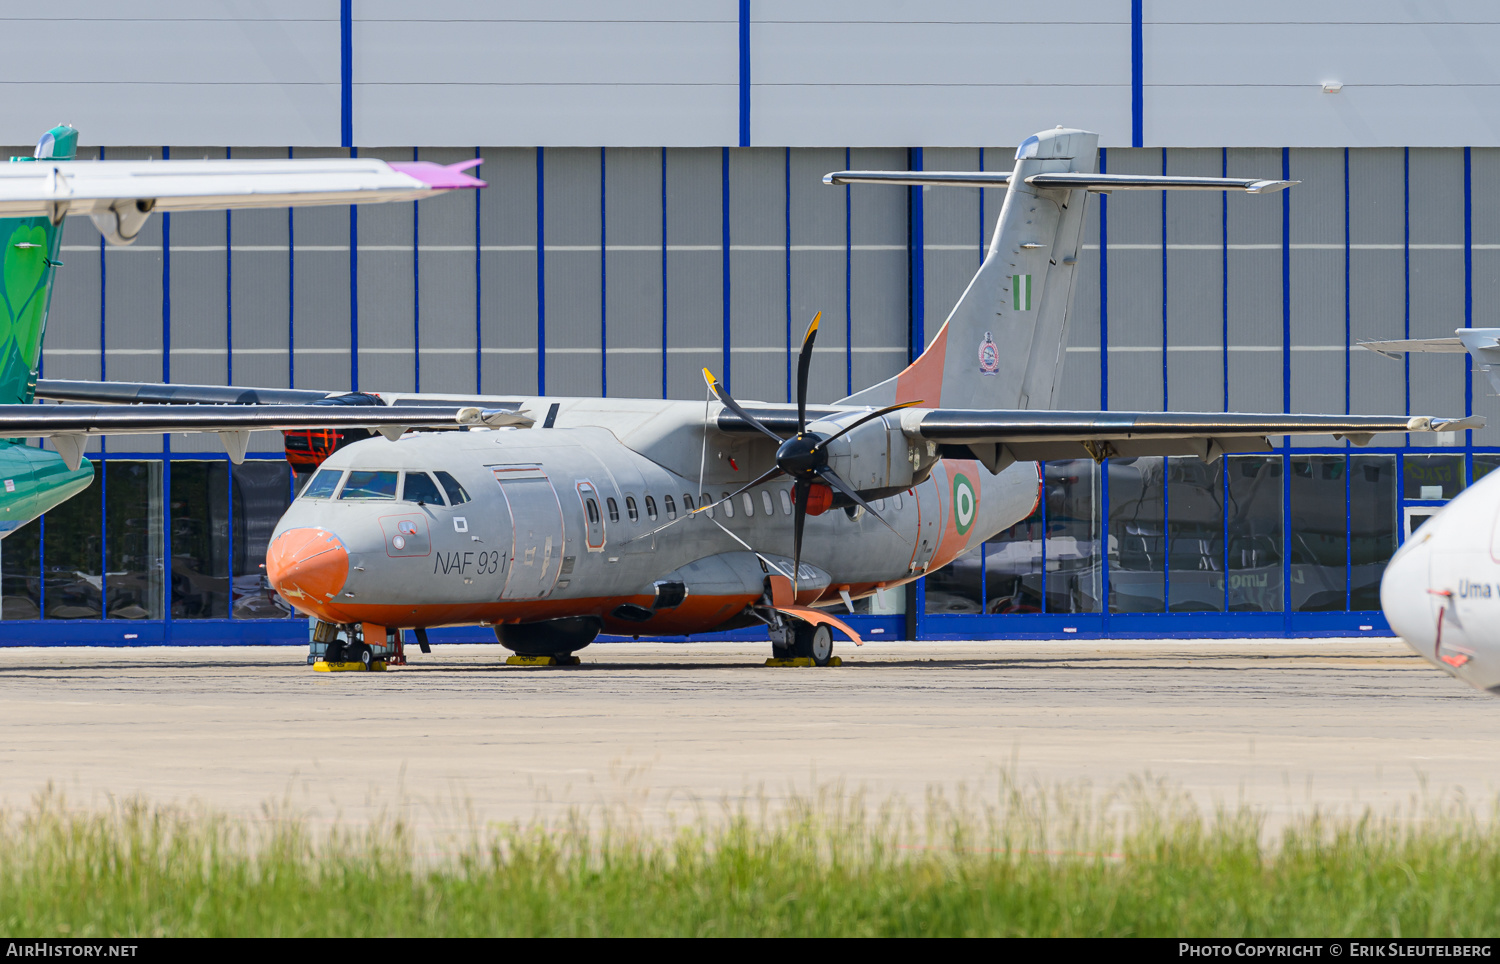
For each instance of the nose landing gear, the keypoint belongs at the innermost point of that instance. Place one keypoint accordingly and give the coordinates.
(359, 647)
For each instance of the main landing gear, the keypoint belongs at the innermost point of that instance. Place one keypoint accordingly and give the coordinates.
(797, 643)
(551, 642)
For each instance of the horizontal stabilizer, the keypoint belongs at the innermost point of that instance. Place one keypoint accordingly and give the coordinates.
(1395, 349)
(40, 421)
(1065, 180)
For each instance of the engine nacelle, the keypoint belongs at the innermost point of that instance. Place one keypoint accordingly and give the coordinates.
(878, 456)
(122, 223)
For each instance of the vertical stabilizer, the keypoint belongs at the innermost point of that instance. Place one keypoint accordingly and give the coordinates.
(27, 262)
(1002, 345)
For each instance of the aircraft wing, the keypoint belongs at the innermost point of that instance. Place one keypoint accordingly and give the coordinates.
(49, 188)
(999, 437)
(1399, 347)
(69, 425)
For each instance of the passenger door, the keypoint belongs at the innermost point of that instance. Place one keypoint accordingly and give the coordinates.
(537, 524)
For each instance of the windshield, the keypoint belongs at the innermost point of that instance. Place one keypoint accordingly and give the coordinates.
(323, 484)
(370, 485)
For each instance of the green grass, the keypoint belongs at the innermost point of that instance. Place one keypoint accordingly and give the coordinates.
(1033, 864)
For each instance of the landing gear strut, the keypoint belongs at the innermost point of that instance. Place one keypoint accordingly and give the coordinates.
(797, 643)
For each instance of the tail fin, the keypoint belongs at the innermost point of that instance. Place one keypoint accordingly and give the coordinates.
(1002, 345)
(31, 246)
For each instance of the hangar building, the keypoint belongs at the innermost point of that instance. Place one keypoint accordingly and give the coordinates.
(656, 205)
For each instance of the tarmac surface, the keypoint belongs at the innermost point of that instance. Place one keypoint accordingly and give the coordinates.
(661, 732)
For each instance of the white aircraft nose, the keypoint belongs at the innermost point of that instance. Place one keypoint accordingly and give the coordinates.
(1406, 601)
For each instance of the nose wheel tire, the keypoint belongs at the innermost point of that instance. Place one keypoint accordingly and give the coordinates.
(815, 643)
(360, 653)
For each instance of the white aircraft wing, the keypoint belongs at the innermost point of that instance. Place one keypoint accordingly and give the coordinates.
(51, 188)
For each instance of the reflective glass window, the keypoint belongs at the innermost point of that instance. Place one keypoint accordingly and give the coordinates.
(765, 502)
(1319, 542)
(201, 535)
(419, 487)
(262, 492)
(1074, 571)
(133, 549)
(1431, 477)
(21, 569)
(786, 502)
(593, 510)
(1485, 464)
(631, 510)
(323, 484)
(1195, 535)
(670, 506)
(614, 509)
(1253, 527)
(650, 508)
(1137, 561)
(749, 504)
(1011, 568)
(728, 504)
(73, 581)
(1372, 525)
(457, 495)
(375, 486)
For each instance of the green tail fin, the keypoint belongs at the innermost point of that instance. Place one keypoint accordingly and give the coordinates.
(31, 247)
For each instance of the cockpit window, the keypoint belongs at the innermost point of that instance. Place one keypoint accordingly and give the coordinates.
(369, 485)
(323, 484)
(456, 493)
(420, 488)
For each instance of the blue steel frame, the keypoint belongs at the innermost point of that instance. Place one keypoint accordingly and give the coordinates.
(1038, 625)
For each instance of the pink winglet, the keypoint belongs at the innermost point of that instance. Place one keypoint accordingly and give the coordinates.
(441, 177)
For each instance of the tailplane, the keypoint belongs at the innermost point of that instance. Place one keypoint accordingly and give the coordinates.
(1002, 345)
(27, 264)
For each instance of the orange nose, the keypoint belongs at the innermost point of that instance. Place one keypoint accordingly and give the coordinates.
(307, 566)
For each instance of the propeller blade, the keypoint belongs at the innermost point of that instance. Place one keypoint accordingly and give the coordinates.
(862, 420)
(832, 478)
(804, 363)
(799, 517)
(723, 395)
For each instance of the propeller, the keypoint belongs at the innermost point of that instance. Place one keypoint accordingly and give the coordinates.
(804, 456)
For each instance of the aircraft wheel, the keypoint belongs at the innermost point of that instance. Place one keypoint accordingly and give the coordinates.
(815, 643)
(360, 653)
(334, 652)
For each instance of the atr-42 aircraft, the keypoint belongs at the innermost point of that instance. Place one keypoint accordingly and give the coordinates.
(637, 516)
(120, 196)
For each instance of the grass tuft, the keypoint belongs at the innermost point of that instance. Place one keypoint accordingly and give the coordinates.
(1142, 861)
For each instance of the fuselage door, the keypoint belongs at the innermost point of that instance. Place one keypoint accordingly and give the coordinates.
(593, 515)
(536, 516)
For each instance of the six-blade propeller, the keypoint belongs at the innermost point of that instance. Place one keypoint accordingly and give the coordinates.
(804, 456)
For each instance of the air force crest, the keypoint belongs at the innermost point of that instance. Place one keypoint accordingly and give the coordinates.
(989, 356)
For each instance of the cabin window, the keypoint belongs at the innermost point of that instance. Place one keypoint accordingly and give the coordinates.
(456, 493)
(765, 502)
(323, 484)
(369, 485)
(898, 501)
(786, 503)
(670, 506)
(687, 502)
(728, 504)
(749, 504)
(421, 489)
(614, 509)
(630, 509)
(650, 508)
(593, 509)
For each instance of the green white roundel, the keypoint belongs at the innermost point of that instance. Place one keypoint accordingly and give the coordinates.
(965, 502)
